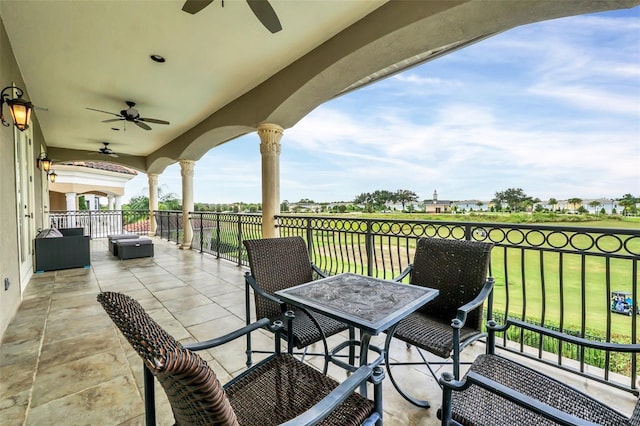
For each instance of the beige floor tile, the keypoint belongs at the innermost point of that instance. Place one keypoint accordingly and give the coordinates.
(87, 373)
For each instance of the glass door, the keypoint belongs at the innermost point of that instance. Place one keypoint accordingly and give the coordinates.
(25, 199)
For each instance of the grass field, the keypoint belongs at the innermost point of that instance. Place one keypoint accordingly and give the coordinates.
(542, 285)
(532, 283)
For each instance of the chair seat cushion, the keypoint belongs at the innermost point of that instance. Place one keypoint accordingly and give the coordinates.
(305, 332)
(431, 334)
(477, 406)
(282, 388)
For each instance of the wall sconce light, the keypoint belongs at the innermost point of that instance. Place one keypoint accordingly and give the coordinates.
(44, 162)
(20, 109)
(52, 176)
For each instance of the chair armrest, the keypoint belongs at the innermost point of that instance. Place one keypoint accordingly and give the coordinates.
(404, 273)
(323, 408)
(461, 316)
(580, 341)
(256, 288)
(518, 398)
(212, 343)
(318, 271)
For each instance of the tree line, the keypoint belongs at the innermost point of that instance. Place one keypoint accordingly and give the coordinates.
(510, 200)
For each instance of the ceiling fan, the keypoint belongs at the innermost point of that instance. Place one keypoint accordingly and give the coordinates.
(261, 8)
(131, 114)
(105, 150)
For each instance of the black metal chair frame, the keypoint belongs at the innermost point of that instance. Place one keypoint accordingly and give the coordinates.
(287, 316)
(457, 324)
(372, 373)
(565, 406)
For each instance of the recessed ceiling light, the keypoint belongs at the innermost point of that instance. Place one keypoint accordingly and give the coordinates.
(157, 58)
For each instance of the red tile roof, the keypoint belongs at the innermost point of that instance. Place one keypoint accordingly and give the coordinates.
(101, 166)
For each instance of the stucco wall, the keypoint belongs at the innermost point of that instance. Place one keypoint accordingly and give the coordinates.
(9, 261)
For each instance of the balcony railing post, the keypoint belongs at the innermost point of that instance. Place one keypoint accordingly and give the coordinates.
(369, 246)
(201, 232)
(309, 237)
(90, 225)
(468, 235)
(218, 235)
(239, 239)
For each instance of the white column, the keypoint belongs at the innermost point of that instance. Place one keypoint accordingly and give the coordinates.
(270, 135)
(186, 170)
(153, 202)
(90, 199)
(110, 202)
(71, 201)
(71, 206)
(118, 203)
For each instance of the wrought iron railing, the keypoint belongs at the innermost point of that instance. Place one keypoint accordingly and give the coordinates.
(100, 223)
(221, 234)
(169, 225)
(560, 277)
(556, 276)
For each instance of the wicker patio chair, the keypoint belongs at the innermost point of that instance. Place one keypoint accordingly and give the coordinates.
(281, 263)
(444, 327)
(277, 390)
(497, 391)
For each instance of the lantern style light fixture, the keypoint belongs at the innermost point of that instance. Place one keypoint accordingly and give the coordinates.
(44, 162)
(20, 108)
(52, 176)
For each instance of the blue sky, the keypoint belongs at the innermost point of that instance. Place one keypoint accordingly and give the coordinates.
(552, 108)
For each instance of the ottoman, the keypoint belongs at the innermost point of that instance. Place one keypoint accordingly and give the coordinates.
(113, 248)
(133, 248)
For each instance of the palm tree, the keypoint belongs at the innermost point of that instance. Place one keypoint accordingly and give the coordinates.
(553, 203)
(404, 196)
(575, 202)
(595, 204)
(629, 202)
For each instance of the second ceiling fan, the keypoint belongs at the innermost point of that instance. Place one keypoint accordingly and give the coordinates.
(261, 8)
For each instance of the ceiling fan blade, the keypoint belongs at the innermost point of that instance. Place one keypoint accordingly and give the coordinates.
(265, 13)
(112, 120)
(195, 6)
(142, 125)
(153, 120)
(106, 112)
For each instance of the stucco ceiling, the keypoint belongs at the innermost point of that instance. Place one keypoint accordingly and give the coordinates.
(224, 72)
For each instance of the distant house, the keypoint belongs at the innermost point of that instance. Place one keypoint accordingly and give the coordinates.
(469, 205)
(90, 179)
(437, 206)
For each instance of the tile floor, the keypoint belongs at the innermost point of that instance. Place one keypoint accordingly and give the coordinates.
(63, 362)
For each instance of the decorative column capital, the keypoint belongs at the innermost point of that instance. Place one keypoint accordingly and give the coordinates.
(187, 167)
(270, 135)
(153, 178)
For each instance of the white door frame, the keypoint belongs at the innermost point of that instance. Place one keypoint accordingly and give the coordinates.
(24, 166)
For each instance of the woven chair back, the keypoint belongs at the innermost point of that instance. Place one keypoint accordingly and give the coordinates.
(276, 264)
(458, 268)
(192, 388)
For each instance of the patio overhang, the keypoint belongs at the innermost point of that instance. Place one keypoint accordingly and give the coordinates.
(224, 73)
